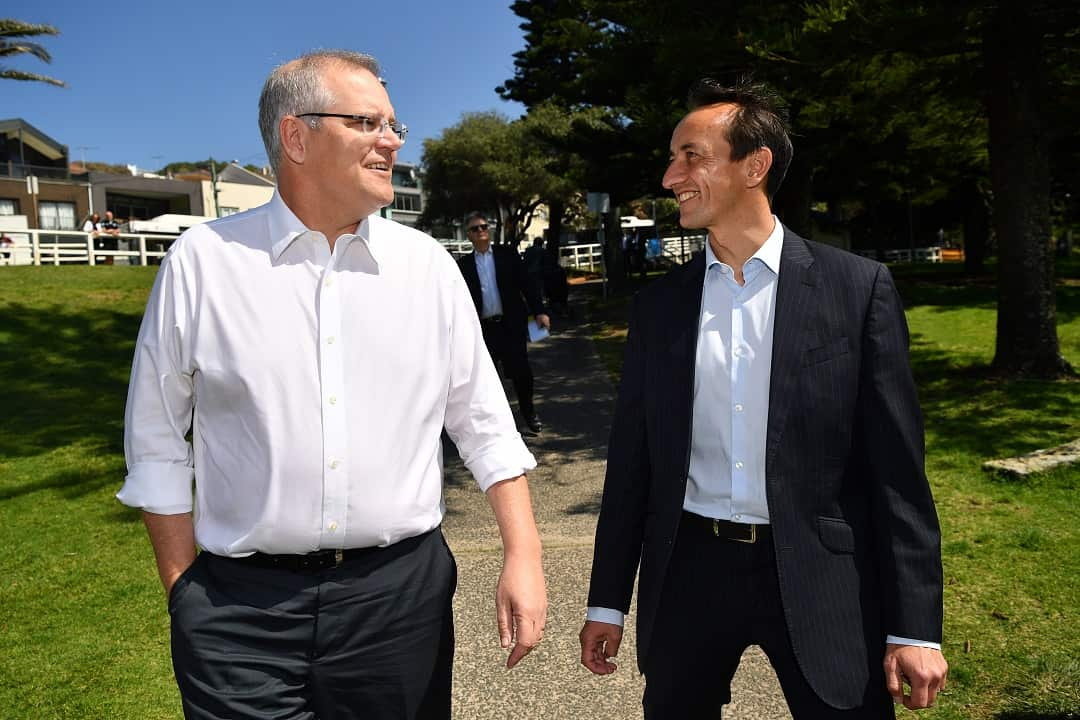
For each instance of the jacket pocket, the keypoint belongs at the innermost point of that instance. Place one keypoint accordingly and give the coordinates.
(836, 534)
(832, 348)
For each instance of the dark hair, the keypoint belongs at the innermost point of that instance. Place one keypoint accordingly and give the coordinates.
(758, 122)
(475, 215)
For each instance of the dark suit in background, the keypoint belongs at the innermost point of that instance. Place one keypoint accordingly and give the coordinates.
(507, 335)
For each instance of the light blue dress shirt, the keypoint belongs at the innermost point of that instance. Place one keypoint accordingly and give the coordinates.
(491, 303)
(731, 387)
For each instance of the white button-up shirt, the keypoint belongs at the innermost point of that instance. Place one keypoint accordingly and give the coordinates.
(315, 386)
(731, 386)
(491, 301)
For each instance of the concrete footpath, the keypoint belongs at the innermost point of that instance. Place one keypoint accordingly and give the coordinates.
(575, 399)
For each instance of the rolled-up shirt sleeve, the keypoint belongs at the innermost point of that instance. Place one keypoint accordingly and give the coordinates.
(478, 417)
(160, 402)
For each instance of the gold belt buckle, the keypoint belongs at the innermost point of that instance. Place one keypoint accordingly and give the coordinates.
(339, 557)
(753, 536)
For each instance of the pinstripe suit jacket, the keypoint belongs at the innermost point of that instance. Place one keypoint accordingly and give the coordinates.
(854, 525)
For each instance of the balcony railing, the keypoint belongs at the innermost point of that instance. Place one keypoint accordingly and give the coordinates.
(20, 170)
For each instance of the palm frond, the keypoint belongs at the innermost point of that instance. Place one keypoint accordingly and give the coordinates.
(8, 74)
(10, 27)
(8, 49)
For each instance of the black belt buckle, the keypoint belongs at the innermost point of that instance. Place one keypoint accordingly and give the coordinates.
(493, 318)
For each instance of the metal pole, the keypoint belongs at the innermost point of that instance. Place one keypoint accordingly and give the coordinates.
(213, 184)
(603, 254)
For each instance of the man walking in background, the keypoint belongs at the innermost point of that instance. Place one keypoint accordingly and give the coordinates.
(504, 296)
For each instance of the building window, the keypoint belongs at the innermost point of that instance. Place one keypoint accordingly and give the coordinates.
(56, 215)
(410, 203)
(403, 177)
(226, 211)
(9, 206)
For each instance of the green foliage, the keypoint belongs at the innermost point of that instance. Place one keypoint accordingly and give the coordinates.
(106, 167)
(13, 43)
(892, 106)
(188, 166)
(488, 163)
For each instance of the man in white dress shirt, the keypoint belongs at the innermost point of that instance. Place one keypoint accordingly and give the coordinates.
(314, 352)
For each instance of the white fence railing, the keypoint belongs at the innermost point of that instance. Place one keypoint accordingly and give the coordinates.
(903, 255)
(56, 247)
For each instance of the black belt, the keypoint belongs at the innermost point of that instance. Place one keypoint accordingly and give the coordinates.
(725, 529)
(492, 319)
(309, 562)
(320, 560)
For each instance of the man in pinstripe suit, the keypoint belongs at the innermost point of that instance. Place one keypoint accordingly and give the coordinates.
(765, 468)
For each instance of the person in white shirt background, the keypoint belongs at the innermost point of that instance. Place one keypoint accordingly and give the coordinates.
(315, 352)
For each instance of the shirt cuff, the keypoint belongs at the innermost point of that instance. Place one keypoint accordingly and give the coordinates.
(509, 460)
(894, 640)
(604, 615)
(160, 488)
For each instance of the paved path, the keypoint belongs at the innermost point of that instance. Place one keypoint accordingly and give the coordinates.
(575, 399)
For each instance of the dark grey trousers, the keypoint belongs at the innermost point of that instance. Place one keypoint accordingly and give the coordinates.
(372, 639)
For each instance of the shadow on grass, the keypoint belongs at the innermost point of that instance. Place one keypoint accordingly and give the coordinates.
(1025, 715)
(72, 484)
(981, 413)
(947, 287)
(65, 382)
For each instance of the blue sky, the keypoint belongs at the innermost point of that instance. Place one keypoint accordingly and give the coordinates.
(156, 82)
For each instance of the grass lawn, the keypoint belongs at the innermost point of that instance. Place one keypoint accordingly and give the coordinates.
(83, 624)
(1011, 549)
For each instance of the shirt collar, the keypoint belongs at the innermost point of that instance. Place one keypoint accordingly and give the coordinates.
(768, 253)
(285, 228)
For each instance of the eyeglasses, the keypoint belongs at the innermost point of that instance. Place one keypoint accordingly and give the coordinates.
(368, 125)
(478, 228)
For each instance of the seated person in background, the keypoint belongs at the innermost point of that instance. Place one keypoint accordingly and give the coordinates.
(111, 228)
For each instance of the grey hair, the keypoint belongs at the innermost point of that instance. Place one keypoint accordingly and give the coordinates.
(297, 87)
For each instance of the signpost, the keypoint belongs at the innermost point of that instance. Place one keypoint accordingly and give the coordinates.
(600, 203)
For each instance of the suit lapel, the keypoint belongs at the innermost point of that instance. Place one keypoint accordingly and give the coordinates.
(472, 279)
(795, 291)
(683, 352)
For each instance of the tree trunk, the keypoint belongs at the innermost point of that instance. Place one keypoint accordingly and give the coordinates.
(976, 227)
(1027, 342)
(556, 209)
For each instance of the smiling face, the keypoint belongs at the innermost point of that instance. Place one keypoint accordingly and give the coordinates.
(352, 169)
(709, 186)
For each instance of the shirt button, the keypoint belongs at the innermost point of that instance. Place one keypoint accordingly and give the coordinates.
(330, 340)
(737, 518)
(329, 282)
(333, 399)
(740, 351)
(738, 465)
(738, 407)
(333, 464)
(332, 526)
